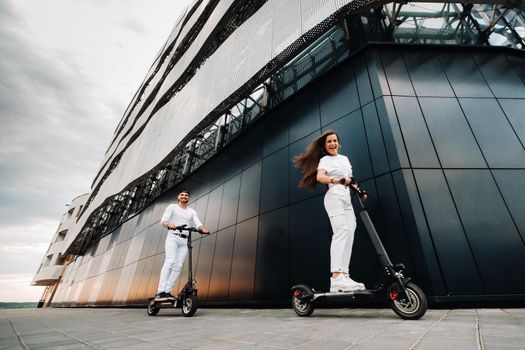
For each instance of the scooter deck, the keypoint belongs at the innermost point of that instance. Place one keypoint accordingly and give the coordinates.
(349, 294)
(164, 302)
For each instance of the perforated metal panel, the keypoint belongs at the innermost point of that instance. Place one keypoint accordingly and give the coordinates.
(273, 33)
(192, 20)
(286, 24)
(315, 11)
(190, 54)
(152, 79)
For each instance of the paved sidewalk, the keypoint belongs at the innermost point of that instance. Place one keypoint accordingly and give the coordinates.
(326, 329)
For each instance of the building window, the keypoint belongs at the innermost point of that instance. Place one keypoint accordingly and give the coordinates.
(61, 259)
(79, 210)
(61, 236)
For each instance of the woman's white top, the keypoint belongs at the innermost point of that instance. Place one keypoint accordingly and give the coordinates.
(336, 166)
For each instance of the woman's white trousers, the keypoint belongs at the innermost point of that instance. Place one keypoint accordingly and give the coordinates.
(342, 218)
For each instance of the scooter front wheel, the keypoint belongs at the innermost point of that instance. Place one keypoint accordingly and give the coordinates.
(411, 308)
(189, 305)
(302, 304)
(152, 310)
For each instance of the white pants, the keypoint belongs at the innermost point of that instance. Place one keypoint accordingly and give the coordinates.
(176, 249)
(342, 218)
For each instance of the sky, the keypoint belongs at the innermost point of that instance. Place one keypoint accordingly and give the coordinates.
(68, 70)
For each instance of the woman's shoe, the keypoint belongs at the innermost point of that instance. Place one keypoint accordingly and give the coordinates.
(340, 284)
(354, 285)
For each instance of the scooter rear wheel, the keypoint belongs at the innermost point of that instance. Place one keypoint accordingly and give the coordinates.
(189, 305)
(302, 306)
(152, 310)
(412, 308)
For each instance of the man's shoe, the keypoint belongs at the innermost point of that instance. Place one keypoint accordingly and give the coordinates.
(164, 296)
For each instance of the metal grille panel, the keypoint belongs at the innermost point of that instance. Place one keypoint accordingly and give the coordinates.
(245, 52)
(235, 68)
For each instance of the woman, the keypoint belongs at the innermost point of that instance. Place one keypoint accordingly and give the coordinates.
(321, 162)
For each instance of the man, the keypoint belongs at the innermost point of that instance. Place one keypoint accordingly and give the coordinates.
(176, 245)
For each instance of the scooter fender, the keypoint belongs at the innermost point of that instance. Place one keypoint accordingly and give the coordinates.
(406, 280)
(399, 288)
(306, 291)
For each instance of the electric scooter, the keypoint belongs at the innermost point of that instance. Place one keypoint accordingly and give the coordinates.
(406, 299)
(187, 297)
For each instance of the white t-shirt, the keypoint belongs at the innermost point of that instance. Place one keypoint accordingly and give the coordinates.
(335, 166)
(175, 215)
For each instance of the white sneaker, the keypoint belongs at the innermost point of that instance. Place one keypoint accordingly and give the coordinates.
(340, 284)
(355, 285)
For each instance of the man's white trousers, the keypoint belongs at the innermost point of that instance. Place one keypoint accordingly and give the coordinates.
(176, 249)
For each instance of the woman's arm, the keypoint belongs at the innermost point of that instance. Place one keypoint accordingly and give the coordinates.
(325, 179)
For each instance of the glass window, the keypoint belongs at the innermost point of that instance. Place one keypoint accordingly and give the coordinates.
(395, 146)
(498, 142)
(511, 183)
(396, 73)
(249, 192)
(375, 140)
(451, 134)
(338, 94)
(452, 246)
(426, 74)
(222, 261)
(305, 116)
(493, 237)
(514, 110)
(230, 201)
(464, 75)
(212, 212)
(503, 79)
(310, 232)
(243, 260)
(271, 272)
(204, 264)
(419, 145)
(363, 80)
(276, 130)
(377, 74)
(275, 180)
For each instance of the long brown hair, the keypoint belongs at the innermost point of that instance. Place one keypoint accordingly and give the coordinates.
(309, 160)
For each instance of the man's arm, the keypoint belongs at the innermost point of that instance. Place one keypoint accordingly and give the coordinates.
(203, 229)
(198, 224)
(167, 224)
(164, 221)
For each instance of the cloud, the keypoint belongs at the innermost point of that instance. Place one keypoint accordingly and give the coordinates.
(24, 246)
(14, 288)
(53, 127)
(68, 71)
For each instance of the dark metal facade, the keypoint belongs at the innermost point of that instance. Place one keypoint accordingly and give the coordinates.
(242, 86)
(436, 137)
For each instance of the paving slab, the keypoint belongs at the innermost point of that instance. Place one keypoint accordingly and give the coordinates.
(326, 329)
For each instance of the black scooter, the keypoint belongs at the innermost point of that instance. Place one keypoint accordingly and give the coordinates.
(406, 299)
(187, 297)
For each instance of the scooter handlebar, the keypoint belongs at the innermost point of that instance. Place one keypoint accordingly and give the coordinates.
(355, 187)
(189, 229)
